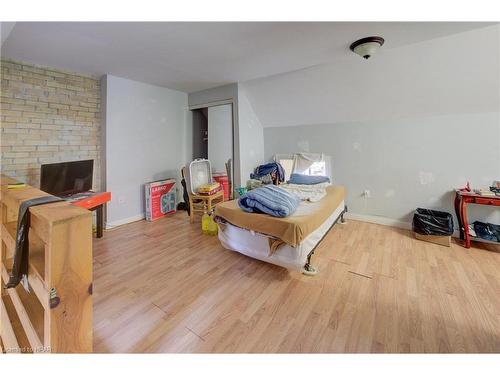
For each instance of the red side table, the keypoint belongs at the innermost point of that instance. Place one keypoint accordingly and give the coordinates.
(94, 202)
(462, 198)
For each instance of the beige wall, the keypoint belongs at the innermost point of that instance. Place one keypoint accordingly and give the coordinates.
(47, 116)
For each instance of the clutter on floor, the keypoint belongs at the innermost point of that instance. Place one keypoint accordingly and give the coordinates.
(203, 193)
(208, 224)
(433, 226)
(486, 231)
(185, 194)
(197, 173)
(160, 198)
(223, 180)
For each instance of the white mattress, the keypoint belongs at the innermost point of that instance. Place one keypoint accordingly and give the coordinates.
(256, 245)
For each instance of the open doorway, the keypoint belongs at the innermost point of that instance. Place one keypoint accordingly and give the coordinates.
(200, 133)
(213, 138)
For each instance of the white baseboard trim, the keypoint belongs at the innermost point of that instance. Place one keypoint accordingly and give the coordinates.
(379, 220)
(131, 219)
(387, 221)
(348, 215)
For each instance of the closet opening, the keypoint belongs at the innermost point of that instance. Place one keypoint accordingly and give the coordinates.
(213, 138)
(200, 133)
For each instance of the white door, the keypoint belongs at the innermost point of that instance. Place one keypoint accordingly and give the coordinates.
(220, 136)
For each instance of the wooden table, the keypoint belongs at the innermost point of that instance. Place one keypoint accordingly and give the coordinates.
(94, 202)
(462, 198)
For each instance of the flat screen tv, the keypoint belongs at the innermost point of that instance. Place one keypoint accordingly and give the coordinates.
(63, 179)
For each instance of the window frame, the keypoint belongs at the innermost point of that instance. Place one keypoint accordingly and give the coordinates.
(290, 157)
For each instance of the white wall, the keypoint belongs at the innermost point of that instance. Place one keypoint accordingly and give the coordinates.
(405, 164)
(410, 124)
(145, 140)
(251, 136)
(220, 136)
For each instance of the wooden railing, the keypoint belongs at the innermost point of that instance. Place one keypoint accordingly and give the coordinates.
(56, 315)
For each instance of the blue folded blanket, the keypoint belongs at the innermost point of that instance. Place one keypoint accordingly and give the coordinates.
(271, 200)
(302, 179)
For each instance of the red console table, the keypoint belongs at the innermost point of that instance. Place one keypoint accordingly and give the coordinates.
(94, 202)
(462, 198)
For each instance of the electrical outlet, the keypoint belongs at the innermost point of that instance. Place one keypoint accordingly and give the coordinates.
(367, 194)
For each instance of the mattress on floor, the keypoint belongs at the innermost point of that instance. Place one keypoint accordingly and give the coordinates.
(256, 245)
(292, 229)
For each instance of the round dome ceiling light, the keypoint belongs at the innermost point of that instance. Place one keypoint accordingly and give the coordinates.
(366, 47)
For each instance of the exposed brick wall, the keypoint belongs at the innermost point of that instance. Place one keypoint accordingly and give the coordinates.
(47, 116)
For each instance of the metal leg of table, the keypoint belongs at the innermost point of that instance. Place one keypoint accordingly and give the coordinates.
(100, 221)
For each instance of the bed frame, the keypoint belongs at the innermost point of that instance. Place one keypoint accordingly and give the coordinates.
(308, 269)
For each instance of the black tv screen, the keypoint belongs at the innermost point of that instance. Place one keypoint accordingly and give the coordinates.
(62, 179)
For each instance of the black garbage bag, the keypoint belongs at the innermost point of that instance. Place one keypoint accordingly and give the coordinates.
(185, 195)
(431, 222)
(22, 250)
(487, 231)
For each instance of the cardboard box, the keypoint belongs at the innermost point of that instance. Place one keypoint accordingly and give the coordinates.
(440, 240)
(160, 198)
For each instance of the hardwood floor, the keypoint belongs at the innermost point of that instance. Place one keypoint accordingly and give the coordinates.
(165, 287)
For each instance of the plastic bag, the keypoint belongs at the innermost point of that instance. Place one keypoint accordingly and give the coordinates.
(487, 231)
(22, 250)
(431, 222)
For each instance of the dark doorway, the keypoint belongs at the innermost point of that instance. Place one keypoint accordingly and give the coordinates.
(200, 133)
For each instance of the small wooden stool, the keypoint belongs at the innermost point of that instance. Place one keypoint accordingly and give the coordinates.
(202, 203)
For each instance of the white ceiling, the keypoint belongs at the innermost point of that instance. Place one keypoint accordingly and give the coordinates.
(190, 56)
(457, 74)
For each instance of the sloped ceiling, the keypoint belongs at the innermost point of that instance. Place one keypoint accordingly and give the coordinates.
(449, 75)
(5, 29)
(194, 56)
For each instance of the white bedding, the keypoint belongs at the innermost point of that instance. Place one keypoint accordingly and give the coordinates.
(256, 245)
(311, 193)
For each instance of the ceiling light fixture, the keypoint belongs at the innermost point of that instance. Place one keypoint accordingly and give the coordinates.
(366, 47)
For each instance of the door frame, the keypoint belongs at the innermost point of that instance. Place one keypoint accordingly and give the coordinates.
(216, 104)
